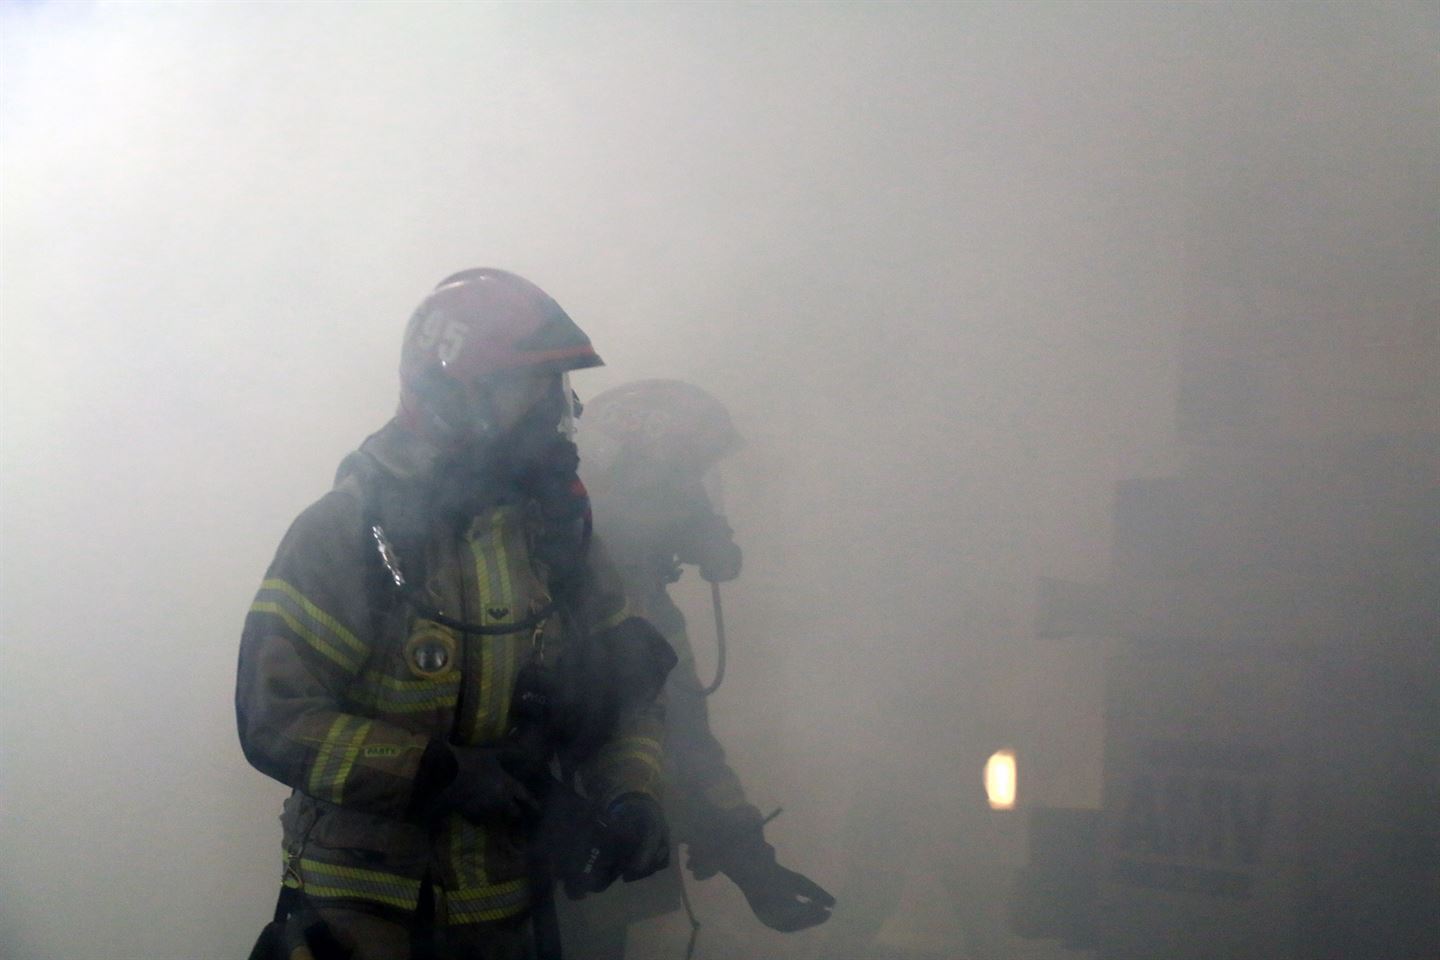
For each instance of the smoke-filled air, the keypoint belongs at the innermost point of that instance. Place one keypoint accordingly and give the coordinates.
(1071, 379)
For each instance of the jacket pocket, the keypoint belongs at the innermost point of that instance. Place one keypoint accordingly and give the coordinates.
(347, 837)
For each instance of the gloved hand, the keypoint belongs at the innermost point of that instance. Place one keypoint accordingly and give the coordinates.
(630, 840)
(642, 836)
(781, 898)
(483, 788)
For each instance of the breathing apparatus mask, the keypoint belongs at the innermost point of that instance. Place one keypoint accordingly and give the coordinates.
(521, 406)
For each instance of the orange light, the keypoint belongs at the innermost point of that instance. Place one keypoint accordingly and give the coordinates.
(1000, 778)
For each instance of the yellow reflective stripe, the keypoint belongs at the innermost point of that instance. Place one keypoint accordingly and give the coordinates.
(484, 584)
(497, 676)
(492, 902)
(615, 619)
(382, 701)
(316, 614)
(636, 741)
(323, 756)
(467, 915)
(457, 850)
(507, 587)
(334, 762)
(391, 695)
(309, 636)
(451, 679)
(514, 644)
(502, 668)
(352, 750)
(467, 853)
(329, 880)
(646, 758)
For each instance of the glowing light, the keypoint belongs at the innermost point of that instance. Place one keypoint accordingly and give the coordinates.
(1000, 778)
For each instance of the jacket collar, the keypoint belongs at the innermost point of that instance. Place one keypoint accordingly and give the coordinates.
(405, 455)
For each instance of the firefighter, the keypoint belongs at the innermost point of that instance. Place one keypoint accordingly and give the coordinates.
(438, 633)
(646, 450)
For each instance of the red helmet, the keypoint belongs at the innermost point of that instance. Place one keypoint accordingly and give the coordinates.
(665, 421)
(481, 322)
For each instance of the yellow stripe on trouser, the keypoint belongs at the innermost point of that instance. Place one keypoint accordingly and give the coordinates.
(326, 880)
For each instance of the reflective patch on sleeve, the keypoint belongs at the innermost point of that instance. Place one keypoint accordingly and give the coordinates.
(614, 757)
(629, 763)
(326, 635)
(386, 694)
(336, 757)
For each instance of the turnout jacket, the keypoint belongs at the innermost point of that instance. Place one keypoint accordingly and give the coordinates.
(343, 688)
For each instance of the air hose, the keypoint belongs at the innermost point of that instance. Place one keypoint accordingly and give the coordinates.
(719, 640)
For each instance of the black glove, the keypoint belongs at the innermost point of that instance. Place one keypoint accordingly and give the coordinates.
(629, 840)
(642, 836)
(781, 898)
(483, 788)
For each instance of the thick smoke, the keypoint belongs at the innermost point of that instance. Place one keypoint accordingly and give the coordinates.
(937, 259)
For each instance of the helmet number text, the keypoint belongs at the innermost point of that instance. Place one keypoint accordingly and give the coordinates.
(442, 333)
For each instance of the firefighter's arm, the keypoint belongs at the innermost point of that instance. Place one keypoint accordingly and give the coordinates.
(629, 760)
(306, 638)
(632, 661)
(724, 832)
(708, 793)
(620, 665)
